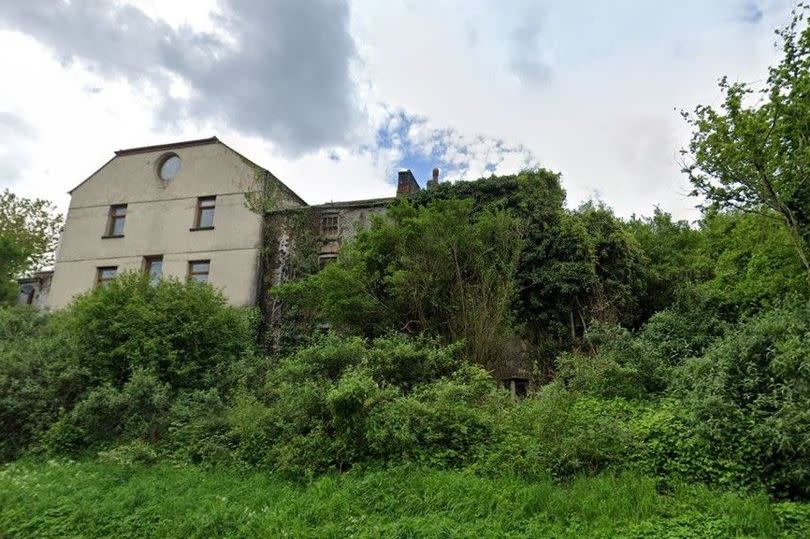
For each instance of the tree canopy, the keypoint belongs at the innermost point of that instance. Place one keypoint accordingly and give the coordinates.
(753, 153)
(29, 231)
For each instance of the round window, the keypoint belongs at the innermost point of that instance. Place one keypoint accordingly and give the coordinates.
(169, 168)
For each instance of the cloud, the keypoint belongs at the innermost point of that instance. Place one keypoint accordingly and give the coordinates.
(16, 136)
(413, 142)
(525, 55)
(751, 12)
(278, 69)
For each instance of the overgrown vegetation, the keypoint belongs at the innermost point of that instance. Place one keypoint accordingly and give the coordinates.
(29, 229)
(663, 353)
(66, 499)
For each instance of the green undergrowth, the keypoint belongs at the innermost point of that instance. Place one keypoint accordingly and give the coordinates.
(92, 499)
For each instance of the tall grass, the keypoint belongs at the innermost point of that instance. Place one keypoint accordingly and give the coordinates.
(89, 499)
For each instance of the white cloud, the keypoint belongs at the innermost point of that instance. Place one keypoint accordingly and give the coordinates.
(602, 113)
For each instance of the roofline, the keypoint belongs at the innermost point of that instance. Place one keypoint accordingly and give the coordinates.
(347, 204)
(169, 146)
(284, 186)
(186, 144)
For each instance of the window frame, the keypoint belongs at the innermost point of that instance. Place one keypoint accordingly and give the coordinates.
(100, 280)
(330, 231)
(203, 204)
(148, 261)
(112, 218)
(192, 274)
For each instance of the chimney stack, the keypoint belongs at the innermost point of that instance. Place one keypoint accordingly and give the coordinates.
(406, 184)
(434, 183)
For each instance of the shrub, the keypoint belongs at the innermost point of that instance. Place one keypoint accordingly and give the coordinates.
(748, 397)
(441, 423)
(619, 366)
(562, 434)
(37, 379)
(138, 411)
(185, 333)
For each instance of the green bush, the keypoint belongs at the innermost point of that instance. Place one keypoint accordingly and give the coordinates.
(561, 434)
(746, 403)
(185, 333)
(38, 378)
(107, 414)
(618, 366)
(340, 402)
(442, 423)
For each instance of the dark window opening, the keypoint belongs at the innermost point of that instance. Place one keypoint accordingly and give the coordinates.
(325, 260)
(519, 387)
(26, 295)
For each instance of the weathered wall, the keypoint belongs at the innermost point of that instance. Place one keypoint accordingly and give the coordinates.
(34, 290)
(294, 245)
(159, 218)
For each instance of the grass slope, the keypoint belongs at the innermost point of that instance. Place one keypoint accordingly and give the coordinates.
(89, 499)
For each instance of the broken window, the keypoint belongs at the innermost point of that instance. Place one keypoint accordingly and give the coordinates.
(330, 225)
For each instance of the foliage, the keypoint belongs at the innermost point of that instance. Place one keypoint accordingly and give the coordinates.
(12, 257)
(753, 154)
(183, 333)
(752, 263)
(673, 259)
(749, 396)
(37, 378)
(29, 230)
(130, 500)
(559, 433)
(436, 269)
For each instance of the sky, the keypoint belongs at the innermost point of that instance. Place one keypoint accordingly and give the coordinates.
(335, 96)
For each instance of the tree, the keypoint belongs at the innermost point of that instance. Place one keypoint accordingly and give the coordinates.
(439, 269)
(11, 257)
(754, 153)
(29, 231)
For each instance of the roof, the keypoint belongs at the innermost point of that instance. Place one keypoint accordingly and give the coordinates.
(343, 205)
(186, 144)
(169, 146)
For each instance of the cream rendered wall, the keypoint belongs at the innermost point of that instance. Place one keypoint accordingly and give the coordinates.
(159, 217)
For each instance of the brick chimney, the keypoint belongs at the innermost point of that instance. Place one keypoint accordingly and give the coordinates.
(434, 183)
(406, 184)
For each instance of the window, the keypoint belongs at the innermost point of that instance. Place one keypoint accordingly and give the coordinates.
(105, 274)
(169, 167)
(205, 213)
(198, 270)
(519, 387)
(26, 296)
(329, 225)
(115, 222)
(153, 266)
(326, 259)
